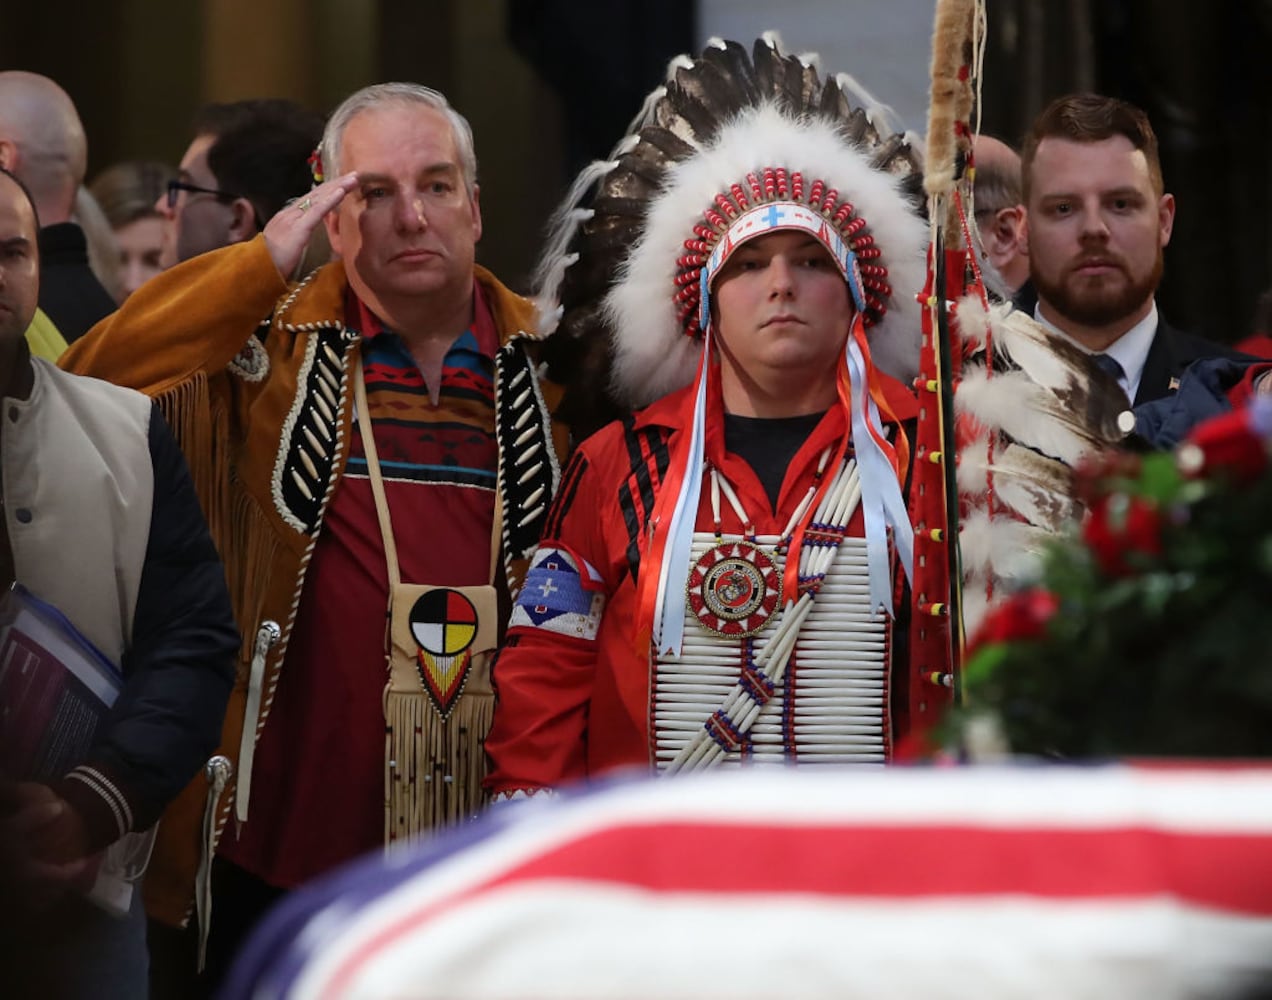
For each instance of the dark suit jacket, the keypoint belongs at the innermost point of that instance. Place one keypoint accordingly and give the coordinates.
(1026, 298)
(70, 293)
(1173, 351)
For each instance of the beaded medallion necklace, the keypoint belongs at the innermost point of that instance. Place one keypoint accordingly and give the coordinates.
(730, 692)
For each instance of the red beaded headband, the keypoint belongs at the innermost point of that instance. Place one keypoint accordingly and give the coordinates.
(777, 187)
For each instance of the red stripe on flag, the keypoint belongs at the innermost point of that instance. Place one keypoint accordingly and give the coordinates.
(1225, 871)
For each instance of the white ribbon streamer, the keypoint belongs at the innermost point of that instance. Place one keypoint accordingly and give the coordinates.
(881, 500)
(669, 611)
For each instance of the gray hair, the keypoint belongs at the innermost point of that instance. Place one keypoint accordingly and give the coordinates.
(380, 94)
(997, 186)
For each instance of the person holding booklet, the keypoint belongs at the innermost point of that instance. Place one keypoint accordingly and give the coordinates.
(102, 531)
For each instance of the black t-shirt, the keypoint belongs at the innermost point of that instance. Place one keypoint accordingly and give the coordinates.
(767, 445)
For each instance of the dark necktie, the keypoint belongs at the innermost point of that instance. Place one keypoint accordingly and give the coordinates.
(1111, 367)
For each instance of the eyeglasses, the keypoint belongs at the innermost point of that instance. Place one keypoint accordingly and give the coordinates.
(176, 187)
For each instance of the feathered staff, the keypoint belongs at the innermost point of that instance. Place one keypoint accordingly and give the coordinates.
(1020, 406)
(937, 638)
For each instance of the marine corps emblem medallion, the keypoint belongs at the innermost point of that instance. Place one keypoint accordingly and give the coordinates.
(733, 589)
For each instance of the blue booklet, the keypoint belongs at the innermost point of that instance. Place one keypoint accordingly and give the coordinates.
(56, 690)
(56, 687)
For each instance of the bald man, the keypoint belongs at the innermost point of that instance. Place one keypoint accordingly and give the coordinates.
(1000, 214)
(42, 143)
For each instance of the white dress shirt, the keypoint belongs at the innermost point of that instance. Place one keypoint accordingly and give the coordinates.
(1129, 350)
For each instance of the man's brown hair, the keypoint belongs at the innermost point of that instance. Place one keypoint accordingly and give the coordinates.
(1091, 118)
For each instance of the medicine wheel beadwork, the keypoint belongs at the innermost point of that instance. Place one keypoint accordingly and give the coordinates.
(733, 589)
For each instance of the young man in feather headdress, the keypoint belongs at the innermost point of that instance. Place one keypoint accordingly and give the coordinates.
(720, 577)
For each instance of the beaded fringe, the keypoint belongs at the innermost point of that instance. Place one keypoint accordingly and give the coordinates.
(434, 768)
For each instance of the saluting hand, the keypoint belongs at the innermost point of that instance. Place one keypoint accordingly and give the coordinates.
(287, 233)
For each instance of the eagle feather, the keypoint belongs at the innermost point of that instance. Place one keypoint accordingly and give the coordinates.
(1031, 407)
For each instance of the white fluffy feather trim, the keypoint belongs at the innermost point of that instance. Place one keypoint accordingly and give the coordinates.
(1007, 548)
(1000, 552)
(652, 354)
(973, 321)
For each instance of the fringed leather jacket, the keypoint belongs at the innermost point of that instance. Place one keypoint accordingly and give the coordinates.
(255, 378)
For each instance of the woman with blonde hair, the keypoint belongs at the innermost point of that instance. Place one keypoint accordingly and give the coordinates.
(127, 193)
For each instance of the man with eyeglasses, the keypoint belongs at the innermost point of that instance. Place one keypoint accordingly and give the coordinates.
(247, 160)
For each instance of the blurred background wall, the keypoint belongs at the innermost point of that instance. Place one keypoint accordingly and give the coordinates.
(550, 84)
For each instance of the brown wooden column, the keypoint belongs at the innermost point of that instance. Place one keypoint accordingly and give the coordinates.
(311, 51)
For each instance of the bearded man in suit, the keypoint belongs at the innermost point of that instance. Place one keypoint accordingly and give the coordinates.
(1097, 220)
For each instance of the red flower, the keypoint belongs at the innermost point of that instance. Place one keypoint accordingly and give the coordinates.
(1022, 616)
(1118, 526)
(315, 165)
(1226, 444)
(1097, 474)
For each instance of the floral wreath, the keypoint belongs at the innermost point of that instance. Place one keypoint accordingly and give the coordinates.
(1149, 631)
